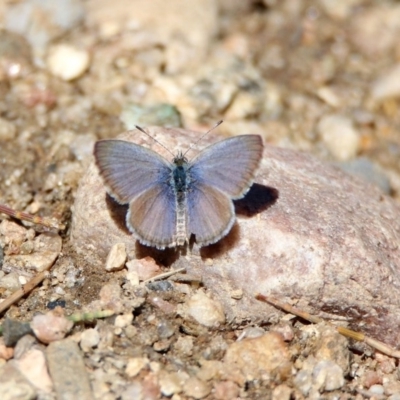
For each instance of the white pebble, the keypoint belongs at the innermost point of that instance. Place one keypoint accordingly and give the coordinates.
(116, 257)
(328, 375)
(387, 85)
(122, 321)
(7, 130)
(135, 365)
(205, 311)
(90, 338)
(67, 62)
(340, 136)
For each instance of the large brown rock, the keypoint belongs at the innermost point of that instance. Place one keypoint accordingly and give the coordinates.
(306, 231)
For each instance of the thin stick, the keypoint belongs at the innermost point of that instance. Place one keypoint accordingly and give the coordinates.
(376, 344)
(9, 301)
(30, 218)
(164, 275)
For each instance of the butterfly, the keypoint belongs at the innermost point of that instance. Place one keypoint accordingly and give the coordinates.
(171, 201)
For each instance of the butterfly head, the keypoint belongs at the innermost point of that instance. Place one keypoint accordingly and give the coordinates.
(180, 160)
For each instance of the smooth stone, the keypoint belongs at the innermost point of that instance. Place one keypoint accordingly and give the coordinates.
(306, 230)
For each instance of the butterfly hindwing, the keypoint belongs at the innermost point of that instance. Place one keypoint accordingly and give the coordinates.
(210, 214)
(152, 216)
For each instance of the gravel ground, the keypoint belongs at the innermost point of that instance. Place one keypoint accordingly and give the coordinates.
(321, 77)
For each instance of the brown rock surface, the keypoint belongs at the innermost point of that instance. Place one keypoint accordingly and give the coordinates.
(314, 234)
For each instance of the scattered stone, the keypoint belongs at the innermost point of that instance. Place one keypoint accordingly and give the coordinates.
(146, 268)
(47, 247)
(10, 282)
(340, 136)
(331, 346)
(377, 390)
(251, 332)
(282, 392)
(40, 21)
(14, 330)
(122, 321)
(196, 388)
(51, 326)
(68, 371)
(8, 131)
(5, 352)
(184, 345)
(142, 115)
(135, 365)
(13, 233)
(366, 27)
(14, 385)
(90, 338)
(67, 62)
(225, 390)
(170, 383)
(387, 85)
(116, 258)
(15, 56)
(204, 310)
(184, 30)
(111, 298)
(327, 375)
(162, 304)
(256, 358)
(32, 364)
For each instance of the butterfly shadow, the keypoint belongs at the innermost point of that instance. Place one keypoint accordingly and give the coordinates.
(258, 199)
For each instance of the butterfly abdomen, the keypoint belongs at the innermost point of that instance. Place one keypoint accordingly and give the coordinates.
(180, 180)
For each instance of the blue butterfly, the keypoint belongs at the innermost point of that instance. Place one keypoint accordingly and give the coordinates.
(170, 201)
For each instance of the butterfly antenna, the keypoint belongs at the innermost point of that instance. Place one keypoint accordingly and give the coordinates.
(151, 137)
(202, 136)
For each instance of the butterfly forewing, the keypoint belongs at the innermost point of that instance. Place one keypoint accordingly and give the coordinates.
(210, 214)
(229, 165)
(129, 169)
(152, 216)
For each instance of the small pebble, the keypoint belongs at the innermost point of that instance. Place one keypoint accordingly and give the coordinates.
(135, 365)
(170, 383)
(10, 281)
(116, 257)
(303, 381)
(90, 338)
(8, 131)
(328, 375)
(226, 390)
(340, 136)
(204, 310)
(51, 326)
(255, 357)
(387, 84)
(376, 389)
(146, 268)
(196, 388)
(281, 392)
(122, 321)
(67, 62)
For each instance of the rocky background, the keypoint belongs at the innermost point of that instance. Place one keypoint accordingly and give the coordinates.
(321, 77)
